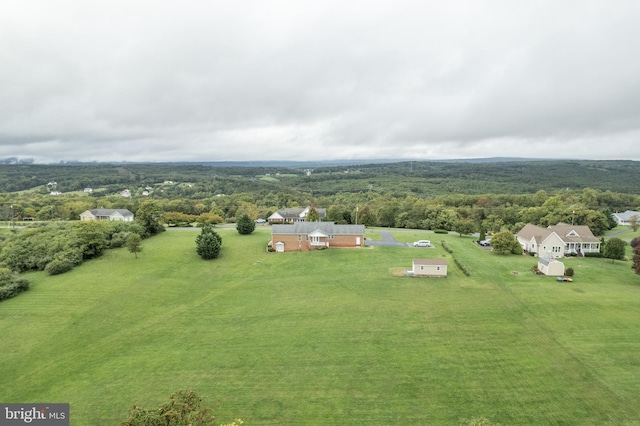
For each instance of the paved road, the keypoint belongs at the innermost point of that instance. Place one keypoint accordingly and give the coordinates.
(621, 231)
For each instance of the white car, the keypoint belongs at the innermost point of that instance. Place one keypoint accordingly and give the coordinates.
(422, 243)
(485, 243)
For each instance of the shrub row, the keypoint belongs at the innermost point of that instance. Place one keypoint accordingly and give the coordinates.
(11, 285)
(461, 266)
(58, 247)
(455, 259)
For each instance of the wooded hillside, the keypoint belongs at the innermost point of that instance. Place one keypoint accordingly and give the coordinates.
(427, 195)
(416, 177)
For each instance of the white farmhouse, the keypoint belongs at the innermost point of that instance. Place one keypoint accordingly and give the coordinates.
(123, 215)
(558, 240)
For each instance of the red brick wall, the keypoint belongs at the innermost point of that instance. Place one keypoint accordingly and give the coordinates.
(291, 242)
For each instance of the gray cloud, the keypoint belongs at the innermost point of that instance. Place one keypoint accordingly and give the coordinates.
(207, 80)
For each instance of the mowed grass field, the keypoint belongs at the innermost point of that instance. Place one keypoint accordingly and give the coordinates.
(328, 337)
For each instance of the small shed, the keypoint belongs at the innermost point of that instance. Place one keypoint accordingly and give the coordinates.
(429, 267)
(549, 266)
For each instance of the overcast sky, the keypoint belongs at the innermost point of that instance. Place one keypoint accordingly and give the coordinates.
(306, 80)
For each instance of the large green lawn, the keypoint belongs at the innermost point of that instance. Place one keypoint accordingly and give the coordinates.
(328, 337)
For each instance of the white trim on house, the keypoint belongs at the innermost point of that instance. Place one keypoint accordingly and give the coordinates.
(122, 215)
(295, 214)
(558, 240)
(625, 217)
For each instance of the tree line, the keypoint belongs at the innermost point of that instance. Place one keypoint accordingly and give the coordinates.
(491, 212)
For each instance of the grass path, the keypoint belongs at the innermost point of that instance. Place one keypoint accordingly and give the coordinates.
(328, 337)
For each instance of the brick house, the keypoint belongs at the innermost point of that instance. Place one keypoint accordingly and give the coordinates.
(304, 236)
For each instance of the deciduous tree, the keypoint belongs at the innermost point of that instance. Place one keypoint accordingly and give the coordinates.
(464, 226)
(209, 219)
(149, 215)
(178, 219)
(614, 249)
(182, 409)
(503, 242)
(11, 284)
(134, 244)
(92, 237)
(636, 259)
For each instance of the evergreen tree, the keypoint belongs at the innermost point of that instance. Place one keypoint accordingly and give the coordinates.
(208, 243)
(245, 225)
(312, 215)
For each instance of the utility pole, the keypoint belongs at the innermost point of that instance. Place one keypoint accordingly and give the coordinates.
(356, 215)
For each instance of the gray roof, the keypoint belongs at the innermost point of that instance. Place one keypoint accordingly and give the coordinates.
(627, 215)
(329, 228)
(109, 212)
(437, 261)
(563, 230)
(294, 212)
(546, 261)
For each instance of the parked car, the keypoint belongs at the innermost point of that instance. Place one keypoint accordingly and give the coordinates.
(422, 243)
(485, 243)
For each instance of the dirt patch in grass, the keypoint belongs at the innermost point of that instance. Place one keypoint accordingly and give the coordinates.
(399, 272)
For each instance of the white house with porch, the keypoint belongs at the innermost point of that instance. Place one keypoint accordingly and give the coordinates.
(624, 217)
(123, 215)
(295, 214)
(558, 241)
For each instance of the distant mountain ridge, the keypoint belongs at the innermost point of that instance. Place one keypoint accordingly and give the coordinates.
(291, 163)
